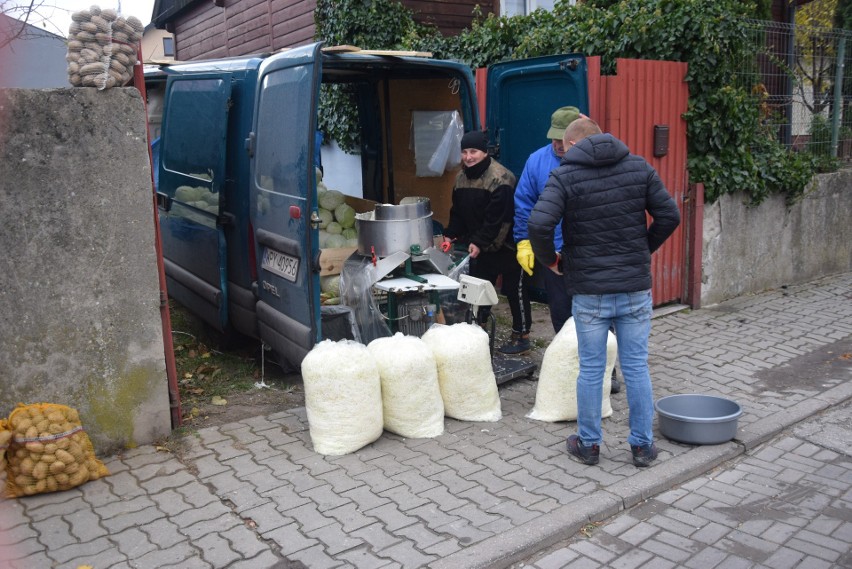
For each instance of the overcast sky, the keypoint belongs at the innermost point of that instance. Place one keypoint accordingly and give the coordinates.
(55, 15)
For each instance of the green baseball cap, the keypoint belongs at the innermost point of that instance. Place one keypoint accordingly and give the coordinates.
(559, 121)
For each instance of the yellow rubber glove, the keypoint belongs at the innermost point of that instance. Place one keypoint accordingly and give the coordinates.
(525, 256)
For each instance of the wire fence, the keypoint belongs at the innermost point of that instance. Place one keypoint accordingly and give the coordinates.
(801, 80)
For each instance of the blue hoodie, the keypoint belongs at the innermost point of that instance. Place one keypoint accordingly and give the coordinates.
(530, 185)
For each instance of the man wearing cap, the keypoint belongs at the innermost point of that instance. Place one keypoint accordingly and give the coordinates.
(530, 185)
(481, 215)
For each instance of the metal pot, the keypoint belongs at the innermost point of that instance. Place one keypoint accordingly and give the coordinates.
(393, 228)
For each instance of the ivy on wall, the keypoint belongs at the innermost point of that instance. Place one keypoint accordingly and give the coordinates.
(729, 149)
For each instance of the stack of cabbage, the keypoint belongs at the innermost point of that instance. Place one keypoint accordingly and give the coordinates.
(198, 197)
(337, 218)
(102, 48)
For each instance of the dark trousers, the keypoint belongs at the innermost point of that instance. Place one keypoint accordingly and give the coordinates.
(489, 266)
(557, 298)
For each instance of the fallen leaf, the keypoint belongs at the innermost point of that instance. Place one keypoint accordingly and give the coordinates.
(216, 400)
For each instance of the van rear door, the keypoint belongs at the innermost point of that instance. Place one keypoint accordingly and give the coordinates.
(282, 200)
(521, 96)
(190, 182)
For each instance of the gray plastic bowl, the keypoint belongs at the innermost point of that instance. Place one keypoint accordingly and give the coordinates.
(698, 419)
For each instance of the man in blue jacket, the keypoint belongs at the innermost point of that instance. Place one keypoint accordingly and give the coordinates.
(601, 194)
(537, 169)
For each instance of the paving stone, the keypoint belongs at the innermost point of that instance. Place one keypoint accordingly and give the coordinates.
(405, 554)
(363, 558)
(202, 528)
(309, 517)
(324, 497)
(109, 558)
(75, 550)
(28, 548)
(350, 517)
(289, 539)
(182, 554)
(216, 551)
(391, 517)
(266, 559)
(334, 538)
(38, 508)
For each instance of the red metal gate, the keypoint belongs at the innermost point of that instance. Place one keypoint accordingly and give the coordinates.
(643, 98)
(641, 102)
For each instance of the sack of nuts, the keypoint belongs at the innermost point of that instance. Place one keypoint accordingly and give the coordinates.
(102, 48)
(48, 451)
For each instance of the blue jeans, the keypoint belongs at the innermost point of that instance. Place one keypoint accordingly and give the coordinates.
(630, 314)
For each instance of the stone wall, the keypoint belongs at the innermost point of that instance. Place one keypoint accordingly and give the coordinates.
(751, 249)
(79, 289)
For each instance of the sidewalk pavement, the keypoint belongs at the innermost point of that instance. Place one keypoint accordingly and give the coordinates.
(253, 494)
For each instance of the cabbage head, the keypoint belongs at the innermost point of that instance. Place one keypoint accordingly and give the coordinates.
(350, 233)
(335, 241)
(334, 228)
(345, 215)
(325, 216)
(331, 199)
(330, 285)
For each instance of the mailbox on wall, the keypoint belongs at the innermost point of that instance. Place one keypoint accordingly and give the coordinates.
(661, 140)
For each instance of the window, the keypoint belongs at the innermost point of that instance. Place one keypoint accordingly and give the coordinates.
(169, 46)
(524, 7)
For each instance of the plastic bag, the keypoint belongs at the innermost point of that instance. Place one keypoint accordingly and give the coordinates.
(49, 451)
(465, 375)
(437, 141)
(556, 392)
(343, 397)
(411, 397)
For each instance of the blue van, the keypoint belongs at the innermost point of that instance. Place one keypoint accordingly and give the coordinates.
(237, 178)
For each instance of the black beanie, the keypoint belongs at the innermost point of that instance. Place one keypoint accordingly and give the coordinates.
(475, 139)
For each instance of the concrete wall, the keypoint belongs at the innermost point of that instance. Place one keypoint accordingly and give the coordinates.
(751, 249)
(79, 294)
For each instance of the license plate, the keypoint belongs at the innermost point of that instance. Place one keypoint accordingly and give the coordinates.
(280, 264)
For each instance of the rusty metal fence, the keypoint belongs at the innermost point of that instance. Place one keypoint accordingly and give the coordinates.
(801, 81)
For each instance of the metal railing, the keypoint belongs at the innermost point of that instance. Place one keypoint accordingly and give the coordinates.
(801, 80)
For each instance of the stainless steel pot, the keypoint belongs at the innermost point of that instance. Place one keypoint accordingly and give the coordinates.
(392, 228)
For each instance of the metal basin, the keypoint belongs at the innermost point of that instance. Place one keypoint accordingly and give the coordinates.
(393, 228)
(698, 419)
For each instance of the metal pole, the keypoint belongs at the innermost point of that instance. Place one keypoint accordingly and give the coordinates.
(838, 95)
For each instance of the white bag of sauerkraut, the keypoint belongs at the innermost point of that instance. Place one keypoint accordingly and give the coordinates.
(411, 398)
(465, 375)
(343, 397)
(556, 393)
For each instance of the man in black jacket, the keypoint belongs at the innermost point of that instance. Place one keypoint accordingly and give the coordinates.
(601, 193)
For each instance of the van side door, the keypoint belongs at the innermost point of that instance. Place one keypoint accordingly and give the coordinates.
(190, 183)
(283, 200)
(522, 94)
